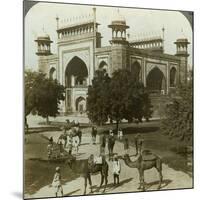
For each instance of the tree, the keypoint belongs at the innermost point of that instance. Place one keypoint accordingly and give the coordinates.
(117, 98)
(179, 114)
(42, 95)
(98, 98)
(49, 97)
(33, 81)
(129, 98)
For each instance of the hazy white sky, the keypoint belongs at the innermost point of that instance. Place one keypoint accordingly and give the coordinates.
(143, 24)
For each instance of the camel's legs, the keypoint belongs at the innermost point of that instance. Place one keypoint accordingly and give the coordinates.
(141, 185)
(102, 180)
(159, 169)
(90, 182)
(85, 185)
(106, 182)
(142, 178)
(160, 178)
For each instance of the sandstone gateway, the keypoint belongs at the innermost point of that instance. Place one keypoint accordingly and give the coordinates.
(80, 53)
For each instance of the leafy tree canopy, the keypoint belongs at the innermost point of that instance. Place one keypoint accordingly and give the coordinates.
(42, 95)
(119, 97)
(179, 114)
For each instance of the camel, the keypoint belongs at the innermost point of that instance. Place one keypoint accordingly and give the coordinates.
(85, 169)
(144, 161)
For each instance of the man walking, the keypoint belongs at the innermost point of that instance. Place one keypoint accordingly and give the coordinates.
(57, 182)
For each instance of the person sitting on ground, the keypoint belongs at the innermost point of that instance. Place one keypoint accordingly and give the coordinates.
(57, 182)
(116, 169)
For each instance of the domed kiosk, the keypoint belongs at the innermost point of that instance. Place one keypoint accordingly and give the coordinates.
(43, 45)
(118, 26)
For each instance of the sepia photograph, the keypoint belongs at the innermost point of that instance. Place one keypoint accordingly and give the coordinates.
(108, 99)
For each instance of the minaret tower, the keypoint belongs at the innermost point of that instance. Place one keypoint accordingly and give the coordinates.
(119, 44)
(182, 52)
(118, 26)
(43, 50)
(43, 45)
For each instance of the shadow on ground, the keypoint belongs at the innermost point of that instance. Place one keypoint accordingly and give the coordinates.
(163, 185)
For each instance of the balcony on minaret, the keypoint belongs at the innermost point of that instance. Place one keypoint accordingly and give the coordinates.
(182, 47)
(43, 45)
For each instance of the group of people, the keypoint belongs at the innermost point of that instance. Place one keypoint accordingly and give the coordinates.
(69, 141)
(73, 141)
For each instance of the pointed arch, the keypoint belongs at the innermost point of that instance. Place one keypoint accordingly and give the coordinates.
(156, 81)
(80, 104)
(76, 73)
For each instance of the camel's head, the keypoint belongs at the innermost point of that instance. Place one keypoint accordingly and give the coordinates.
(71, 160)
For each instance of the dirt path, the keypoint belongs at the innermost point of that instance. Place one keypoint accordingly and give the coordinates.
(129, 177)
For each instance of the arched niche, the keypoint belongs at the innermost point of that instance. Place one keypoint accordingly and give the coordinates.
(80, 104)
(156, 81)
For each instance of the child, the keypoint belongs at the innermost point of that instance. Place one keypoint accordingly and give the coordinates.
(57, 182)
(116, 169)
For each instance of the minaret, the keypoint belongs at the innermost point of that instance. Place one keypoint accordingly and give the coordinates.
(118, 26)
(182, 52)
(119, 44)
(43, 45)
(43, 51)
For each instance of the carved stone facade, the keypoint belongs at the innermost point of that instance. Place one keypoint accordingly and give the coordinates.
(80, 53)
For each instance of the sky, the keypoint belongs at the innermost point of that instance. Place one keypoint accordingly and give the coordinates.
(144, 23)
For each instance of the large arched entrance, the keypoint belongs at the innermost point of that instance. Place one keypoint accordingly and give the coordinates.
(76, 73)
(135, 70)
(156, 82)
(76, 78)
(80, 104)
